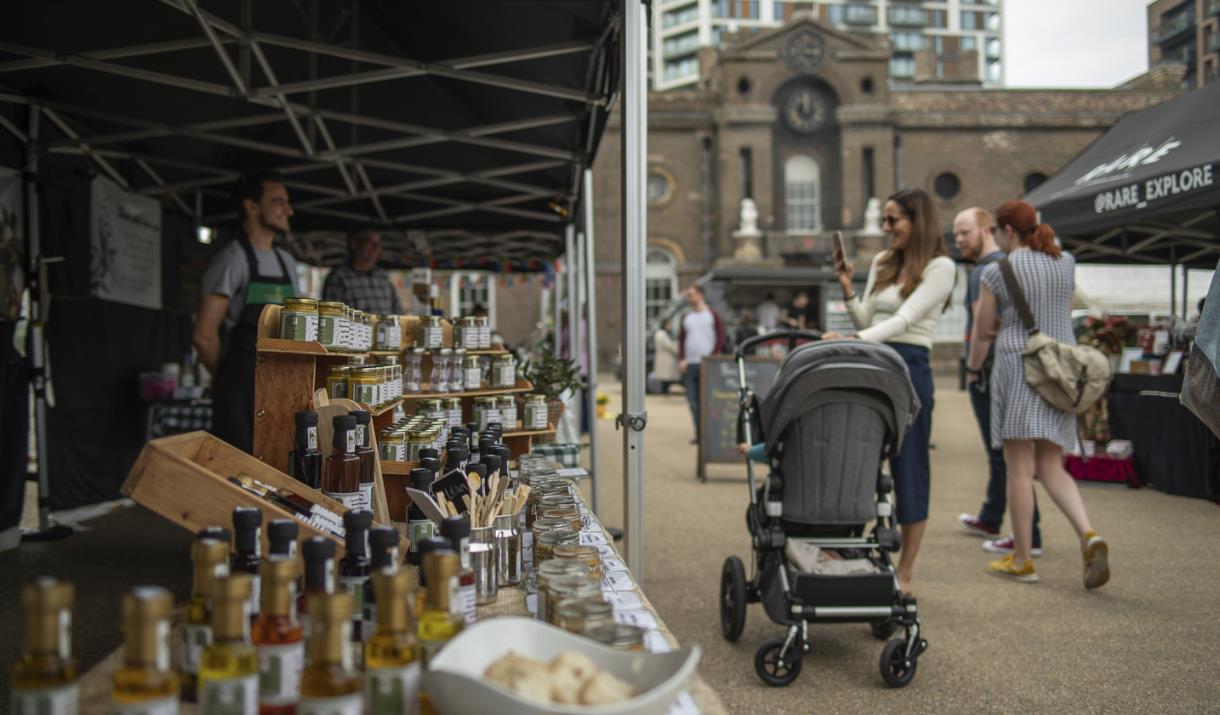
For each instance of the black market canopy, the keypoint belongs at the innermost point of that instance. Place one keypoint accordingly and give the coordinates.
(1146, 191)
(461, 128)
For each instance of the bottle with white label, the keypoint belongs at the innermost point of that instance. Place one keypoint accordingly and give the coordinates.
(305, 461)
(456, 530)
(341, 477)
(228, 670)
(329, 684)
(146, 684)
(366, 455)
(391, 657)
(210, 561)
(419, 526)
(278, 639)
(44, 677)
(247, 540)
(354, 572)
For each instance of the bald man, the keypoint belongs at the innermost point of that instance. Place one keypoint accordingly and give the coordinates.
(972, 232)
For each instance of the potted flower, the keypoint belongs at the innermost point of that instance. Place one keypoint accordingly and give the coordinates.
(553, 377)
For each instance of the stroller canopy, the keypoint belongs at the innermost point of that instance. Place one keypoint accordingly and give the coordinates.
(853, 370)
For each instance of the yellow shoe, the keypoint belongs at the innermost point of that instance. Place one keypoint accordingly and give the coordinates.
(1009, 568)
(1096, 560)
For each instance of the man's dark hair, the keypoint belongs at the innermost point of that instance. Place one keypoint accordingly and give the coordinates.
(250, 186)
(359, 233)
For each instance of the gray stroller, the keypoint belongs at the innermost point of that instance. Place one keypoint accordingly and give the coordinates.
(837, 410)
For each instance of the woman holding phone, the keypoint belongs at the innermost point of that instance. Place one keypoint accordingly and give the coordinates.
(909, 285)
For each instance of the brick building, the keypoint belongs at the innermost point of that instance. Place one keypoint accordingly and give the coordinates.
(1186, 32)
(805, 120)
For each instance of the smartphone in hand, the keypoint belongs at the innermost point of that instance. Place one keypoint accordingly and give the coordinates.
(840, 254)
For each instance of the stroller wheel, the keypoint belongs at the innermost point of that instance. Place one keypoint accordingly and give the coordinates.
(732, 599)
(883, 629)
(896, 670)
(775, 667)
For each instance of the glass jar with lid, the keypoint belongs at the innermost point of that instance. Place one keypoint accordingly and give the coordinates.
(508, 412)
(504, 372)
(577, 615)
(457, 378)
(413, 371)
(337, 382)
(439, 378)
(535, 416)
(619, 636)
(469, 333)
(392, 446)
(364, 385)
(486, 411)
(430, 333)
(582, 588)
(453, 411)
(394, 376)
(330, 324)
(415, 442)
(545, 542)
(484, 327)
(569, 513)
(472, 375)
(299, 319)
(588, 555)
(388, 333)
(547, 571)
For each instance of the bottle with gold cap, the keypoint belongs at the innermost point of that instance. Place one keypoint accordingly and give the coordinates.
(228, 670)
(329, 685)
(277, 637)
(391, 657)
(146, 685)
(210, 559)
(44, 677)
(438, 623)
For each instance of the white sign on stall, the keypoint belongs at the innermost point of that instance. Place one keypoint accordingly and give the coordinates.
(125, 242)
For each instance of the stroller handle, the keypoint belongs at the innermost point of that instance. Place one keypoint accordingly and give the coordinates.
(791, 335)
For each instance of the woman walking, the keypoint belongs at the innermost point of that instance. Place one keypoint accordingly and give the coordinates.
(1032, 433)
(908, 286)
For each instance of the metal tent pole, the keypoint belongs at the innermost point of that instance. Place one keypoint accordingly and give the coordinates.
(590, 330)
(557, 312)
(1186, 293)
(47, 528)
(1173, 290)
(634, 221)
(571, 265)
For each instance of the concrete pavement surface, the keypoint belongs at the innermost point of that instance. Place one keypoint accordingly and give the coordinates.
(1149, 641)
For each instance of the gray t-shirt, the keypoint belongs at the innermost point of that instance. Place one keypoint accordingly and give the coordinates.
(972, 289)
(229, 275)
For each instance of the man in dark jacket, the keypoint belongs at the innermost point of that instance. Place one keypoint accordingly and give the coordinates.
(701, 334)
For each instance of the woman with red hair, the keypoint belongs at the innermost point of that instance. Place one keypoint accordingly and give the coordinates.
(1032, 433)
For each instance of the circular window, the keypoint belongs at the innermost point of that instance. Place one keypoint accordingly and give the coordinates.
(947, 186)
(866, 85)
(743, 85)
(659, 187)
(1033, 181)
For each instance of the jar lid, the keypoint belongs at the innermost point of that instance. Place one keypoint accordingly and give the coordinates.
(309, 303)
(617, 635)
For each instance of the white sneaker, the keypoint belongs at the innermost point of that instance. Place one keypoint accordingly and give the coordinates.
(1005, 546)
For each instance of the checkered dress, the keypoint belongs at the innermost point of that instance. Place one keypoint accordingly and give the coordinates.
(371, 292)
(1017, 412)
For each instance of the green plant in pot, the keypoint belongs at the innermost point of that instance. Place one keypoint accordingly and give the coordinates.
(553, 377)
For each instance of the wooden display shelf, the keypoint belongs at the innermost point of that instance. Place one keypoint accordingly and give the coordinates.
(425, 394)
(379, 411)
(529, 432)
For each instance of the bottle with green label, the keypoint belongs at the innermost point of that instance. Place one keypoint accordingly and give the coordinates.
(341, 477)
(146, 684)
(44, 677)
(391, 656)
(419, 526)
(228, 670)
(366, 455)
(329, 684)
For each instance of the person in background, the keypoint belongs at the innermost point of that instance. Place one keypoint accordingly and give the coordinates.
(665, 359)
(1032, 432)
(908, 286)
(768, 313)
(796, 313)
(972, 232)
(701, 334)
(245, 276)
(746, 327)
(359, 282)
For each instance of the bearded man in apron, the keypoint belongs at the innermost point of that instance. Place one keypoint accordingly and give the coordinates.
(246, 275)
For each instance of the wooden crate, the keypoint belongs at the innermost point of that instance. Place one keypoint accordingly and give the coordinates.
(184, 478)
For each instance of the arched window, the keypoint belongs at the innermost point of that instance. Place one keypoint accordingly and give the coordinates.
(802, 194)
(660, 282)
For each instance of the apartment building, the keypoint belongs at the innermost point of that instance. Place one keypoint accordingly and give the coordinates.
(1186, 32)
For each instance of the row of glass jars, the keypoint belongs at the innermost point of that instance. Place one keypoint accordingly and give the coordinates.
(403, 440)
(372, 385)
(337, 326)
(455, 371)
(469, 333)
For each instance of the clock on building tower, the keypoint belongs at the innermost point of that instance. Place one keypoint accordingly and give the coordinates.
(804, 111)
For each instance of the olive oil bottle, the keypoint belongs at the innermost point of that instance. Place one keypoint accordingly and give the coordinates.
(44, 677)
(145, 685)
(278, 639)
(438, 623)
(210, 560)
(391, 656)
(228, 670)
(329, 685)
(341, 475)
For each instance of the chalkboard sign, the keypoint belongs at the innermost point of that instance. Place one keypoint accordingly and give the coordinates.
(719, 408)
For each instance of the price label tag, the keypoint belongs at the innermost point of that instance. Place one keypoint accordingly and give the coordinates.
(617, 581)
(592, 538)
(639, 617)
(655, 642)
(613, 564)
(623, 600)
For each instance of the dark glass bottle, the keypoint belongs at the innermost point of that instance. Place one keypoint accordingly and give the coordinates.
(383, 555)
(472, 433)
(319, 568)
(492, 462)
(366, 455)
(305, 459)
(247, 525)
(282, 538)
(354, 571)
(428, 453)
(485, 443)
(419, 526)
(341, 478)
(456, 530)
(432, 464)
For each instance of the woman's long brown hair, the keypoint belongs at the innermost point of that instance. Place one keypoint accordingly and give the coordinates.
(924, 244)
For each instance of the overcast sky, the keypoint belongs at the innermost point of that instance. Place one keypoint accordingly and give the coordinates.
(1075, 43)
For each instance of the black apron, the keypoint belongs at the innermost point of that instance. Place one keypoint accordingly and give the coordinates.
(233, 386)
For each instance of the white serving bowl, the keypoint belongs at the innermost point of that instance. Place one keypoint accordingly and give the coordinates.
(454, 678)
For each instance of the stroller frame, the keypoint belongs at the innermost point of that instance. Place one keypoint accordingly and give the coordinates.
(778, 660)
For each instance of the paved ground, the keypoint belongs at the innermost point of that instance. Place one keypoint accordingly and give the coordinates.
(1147, 642)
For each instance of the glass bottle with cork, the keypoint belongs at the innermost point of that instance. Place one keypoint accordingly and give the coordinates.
(329, 684)
(247, 531)
(383, 554)
(341, 477)
(419, 526)
(354, 572)
(456, 530)
(228, 669)
(145, 684)
(44, 677)
(439, 622)
(391, 656)
(366, 455)
(305, 461)
(277, 637)
(210, 561)
(319, 569)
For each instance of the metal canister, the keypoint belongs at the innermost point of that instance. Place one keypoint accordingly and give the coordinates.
(578, 615)
(508, 412)
(337, 382)
(508, 551)
(504, 372)
(535, 413)
(484, 326)
(330, 324)
(483, 560)
(299, 319)
(619, 636)
(471, 374)
(430, 333)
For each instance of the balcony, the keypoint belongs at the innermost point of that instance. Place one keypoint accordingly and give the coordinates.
(1170, 29)
(1213, 43)
(860, 15)
(1211, 8)
(908, 17)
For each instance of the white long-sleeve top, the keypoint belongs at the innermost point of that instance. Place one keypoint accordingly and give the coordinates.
(885, 317)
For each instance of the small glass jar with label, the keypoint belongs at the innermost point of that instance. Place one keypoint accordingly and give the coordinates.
(471, 374)
(387, 334)
(535, 416)
(581, 588)
(364, 385)
(337, 379)
(453, 411)
(508, 412)
(577, 615)
(330, 324)
(588, 555)
(486, 411)
(484, 326)
(468, 337)
(299, 319)
(504, 372)
(392, 446)
(430, 334)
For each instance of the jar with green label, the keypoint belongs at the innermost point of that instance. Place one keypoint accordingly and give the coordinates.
(508, 412)
(337, 382)
(364, 386)
(430, 333)
(535, 417)
(486, 411)
(504, 372)
(392, 446)
(330, 324)
(299, 319)
(387, 333)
